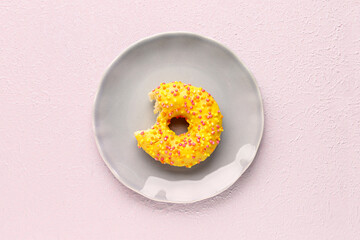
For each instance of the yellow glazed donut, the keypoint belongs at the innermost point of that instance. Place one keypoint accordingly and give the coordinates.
(199, 109)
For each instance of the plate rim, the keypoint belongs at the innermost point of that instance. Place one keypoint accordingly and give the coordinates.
(119, 57)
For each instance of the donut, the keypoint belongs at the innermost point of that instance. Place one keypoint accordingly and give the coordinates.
(200, 110)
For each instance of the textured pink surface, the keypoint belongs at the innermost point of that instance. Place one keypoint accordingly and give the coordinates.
(304, 183)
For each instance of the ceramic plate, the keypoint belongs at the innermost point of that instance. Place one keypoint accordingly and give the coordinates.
(122, 107)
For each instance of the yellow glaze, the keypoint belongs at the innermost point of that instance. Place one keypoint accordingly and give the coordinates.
(200, 110)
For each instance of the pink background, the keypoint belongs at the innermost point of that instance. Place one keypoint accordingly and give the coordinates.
(304, 183)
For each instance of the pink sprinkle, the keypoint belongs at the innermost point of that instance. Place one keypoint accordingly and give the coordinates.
(200, 110)
(176, 90)
(217, 141)
(207, 146)
(203, 90)
(203, 139)
(180, 144)
(156, 92)
(162, 158)
(174, 85)
(188, 134)
(184, 96)
(172, 163)
(207, 99)
(151, 142)
(166, 152)
(158, 154)
(217, 126)
(197, 97)
(170, 154)
(191, 107)
(198, 140)
(219, 111)
(188, 88)
(161, 142)
(142, 133)
(172, 92)
(213, 132)
(199, 116)
(193, 156)
(194, 113)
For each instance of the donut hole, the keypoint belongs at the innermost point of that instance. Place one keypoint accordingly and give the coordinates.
(178, 125)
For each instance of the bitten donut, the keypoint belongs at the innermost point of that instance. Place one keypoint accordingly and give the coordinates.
(199, 109)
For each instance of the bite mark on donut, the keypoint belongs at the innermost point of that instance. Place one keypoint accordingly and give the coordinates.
(157, 106)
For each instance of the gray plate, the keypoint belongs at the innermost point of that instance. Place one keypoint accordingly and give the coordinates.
(122, 107)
